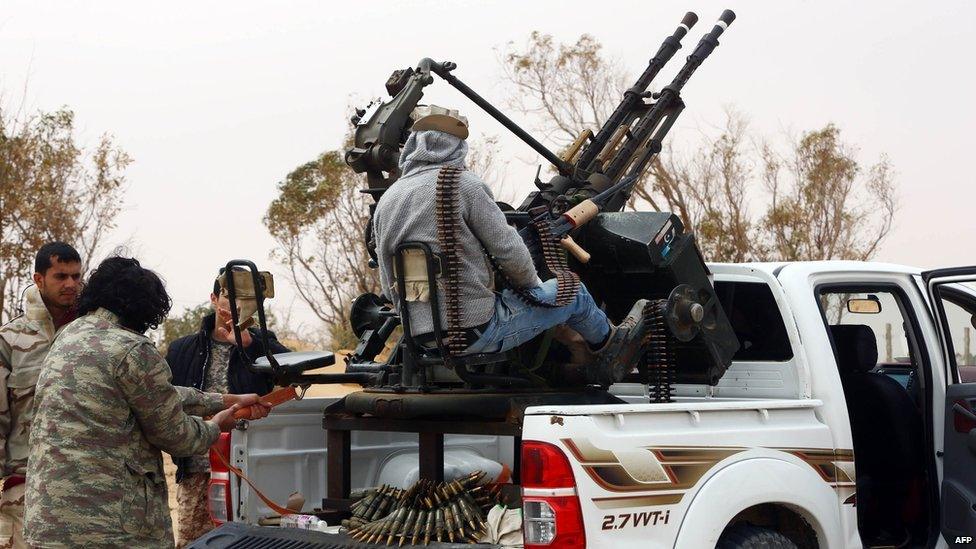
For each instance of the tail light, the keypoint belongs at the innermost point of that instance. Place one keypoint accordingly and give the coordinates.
(218, 493)
(551, 511)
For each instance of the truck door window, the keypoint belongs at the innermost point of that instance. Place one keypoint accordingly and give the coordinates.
(756, 320)
(895, 358)
(958, 301)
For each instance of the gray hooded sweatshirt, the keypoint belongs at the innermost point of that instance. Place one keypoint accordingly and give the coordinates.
(406, 213)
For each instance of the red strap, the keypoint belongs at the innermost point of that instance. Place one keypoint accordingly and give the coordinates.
(274, 506)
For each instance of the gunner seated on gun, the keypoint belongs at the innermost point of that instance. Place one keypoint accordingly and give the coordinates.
(493, 321)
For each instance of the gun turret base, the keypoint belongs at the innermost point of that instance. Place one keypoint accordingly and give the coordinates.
(458, 403)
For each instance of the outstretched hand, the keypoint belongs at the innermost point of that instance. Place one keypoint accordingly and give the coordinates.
(224, 330)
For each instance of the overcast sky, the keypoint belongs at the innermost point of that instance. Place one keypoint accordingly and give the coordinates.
(217, 101)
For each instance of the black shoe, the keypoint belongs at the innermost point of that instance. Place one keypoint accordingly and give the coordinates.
(619, 355)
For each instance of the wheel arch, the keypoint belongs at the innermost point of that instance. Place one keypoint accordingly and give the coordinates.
(793, 522)
(744, 489)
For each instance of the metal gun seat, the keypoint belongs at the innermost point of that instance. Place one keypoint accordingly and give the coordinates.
(296, 362)
(427, 356)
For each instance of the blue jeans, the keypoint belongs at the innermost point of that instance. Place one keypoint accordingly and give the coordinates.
(516, 322)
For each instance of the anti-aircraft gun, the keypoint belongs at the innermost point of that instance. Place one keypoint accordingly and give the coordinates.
(620, 256)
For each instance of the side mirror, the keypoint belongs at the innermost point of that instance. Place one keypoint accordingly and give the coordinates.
(870, 305)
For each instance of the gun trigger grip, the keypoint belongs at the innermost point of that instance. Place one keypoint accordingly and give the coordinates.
(572, 247)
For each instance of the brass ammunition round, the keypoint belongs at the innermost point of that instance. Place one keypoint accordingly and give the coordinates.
(451, 526)
(440, 523)
(468, 513)
(408, 525)
(383, 508)
(418, 527)
(430, 526)
(375, 501)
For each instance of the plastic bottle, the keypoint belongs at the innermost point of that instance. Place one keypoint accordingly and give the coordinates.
(304, 522)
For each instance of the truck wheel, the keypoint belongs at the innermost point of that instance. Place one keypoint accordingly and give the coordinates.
(747, 536)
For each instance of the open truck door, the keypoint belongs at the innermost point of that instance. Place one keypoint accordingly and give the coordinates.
(953, 295)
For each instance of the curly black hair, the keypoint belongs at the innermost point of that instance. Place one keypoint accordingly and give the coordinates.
(122, 286)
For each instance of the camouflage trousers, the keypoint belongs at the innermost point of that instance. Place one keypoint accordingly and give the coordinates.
(12, 518)
(192, 510)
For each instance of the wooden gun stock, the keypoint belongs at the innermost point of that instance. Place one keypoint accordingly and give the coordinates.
(276, 397)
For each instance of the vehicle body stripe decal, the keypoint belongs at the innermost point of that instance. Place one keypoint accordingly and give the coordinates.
(672, 470)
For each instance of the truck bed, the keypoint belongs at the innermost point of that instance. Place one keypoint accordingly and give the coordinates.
(286, 452)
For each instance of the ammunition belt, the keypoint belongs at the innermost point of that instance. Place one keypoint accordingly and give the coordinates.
(554, 259)
(567, 282)
(658, 360)
(454, 512)
(448, 214)
(448, 218)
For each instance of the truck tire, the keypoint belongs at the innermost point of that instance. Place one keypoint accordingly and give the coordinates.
(747, 536)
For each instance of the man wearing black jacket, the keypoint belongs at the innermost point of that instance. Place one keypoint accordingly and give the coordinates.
(210, 361)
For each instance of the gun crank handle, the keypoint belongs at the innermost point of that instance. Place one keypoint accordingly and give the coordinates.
(581, 213)
(572, 247)
(276, 397)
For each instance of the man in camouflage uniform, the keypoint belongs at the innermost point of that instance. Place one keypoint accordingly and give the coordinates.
(105, 409)
(24, 342)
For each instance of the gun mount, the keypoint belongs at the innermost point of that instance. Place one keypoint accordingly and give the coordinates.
(621, 256)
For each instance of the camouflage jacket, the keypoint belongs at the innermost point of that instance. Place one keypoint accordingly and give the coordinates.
(105, 410)
(24, 342)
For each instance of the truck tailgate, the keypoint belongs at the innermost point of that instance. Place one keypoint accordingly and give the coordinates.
(243, 536)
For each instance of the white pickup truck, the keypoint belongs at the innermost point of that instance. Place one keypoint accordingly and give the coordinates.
(847, 419)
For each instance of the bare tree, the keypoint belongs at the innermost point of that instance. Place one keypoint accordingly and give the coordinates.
(565, 87)
(52, 188)
(823, 207)
(709, 191)
(485, 160)
(318, 220)
(800, 201)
